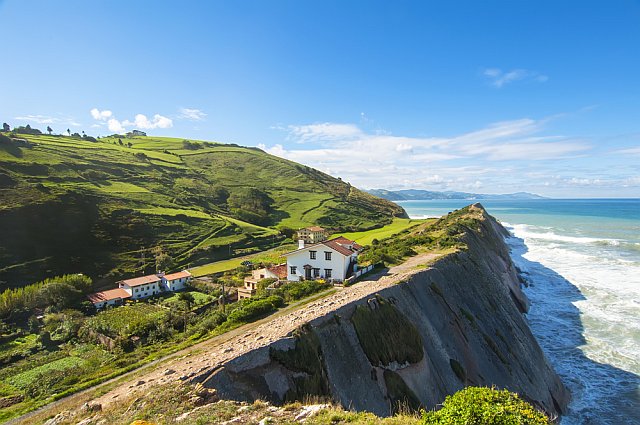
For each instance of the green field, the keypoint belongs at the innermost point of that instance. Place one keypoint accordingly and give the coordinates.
(99, 207)
(365, 237)
(273, 256)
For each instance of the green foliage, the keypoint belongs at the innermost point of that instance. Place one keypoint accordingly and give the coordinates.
(386, 335)
(95, 206)
(400, 395)
(292, 291)
(56, 293)
(306, 358)
(129, 320)
(42, 379)
(254, 308)
(485, 406)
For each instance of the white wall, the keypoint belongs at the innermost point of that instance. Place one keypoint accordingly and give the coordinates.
(338, 263)
(142, 291)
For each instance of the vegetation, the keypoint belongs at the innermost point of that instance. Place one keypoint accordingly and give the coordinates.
(400, 395)
(475, 405)
(366, 237)
(168, 402)
(305, 358)
(75, 203)
(441, 235)
(386, 335)
(70, 347)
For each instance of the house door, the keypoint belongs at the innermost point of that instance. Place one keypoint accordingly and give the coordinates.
(307, 272)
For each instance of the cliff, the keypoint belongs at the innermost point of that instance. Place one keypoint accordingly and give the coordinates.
(455, 323)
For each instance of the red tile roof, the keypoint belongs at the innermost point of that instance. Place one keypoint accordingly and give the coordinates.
(177, 275)
(111, 294)
(338, 244)
(143, 280)
(280, 270)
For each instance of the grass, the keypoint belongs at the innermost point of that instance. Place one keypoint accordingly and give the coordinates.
(199, 299)
(103, 204)
(398, 225)
(273, 256)
(25, 379)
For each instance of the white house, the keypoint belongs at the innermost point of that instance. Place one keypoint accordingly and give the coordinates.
(175, 281)
(251, 282)
(334, 259)
(142, 287)
(110, 297)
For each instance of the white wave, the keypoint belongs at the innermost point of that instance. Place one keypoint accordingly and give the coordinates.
(424, 216)
(526, 231)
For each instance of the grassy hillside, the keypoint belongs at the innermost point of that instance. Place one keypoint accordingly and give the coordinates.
(77, 205)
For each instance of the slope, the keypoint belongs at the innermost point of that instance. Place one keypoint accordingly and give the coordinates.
(73, 204)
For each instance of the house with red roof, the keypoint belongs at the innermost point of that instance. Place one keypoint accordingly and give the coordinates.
(175, 281)
(313, 234)
(142, 287)
(111, 297)
(334, 259)
(278, 272)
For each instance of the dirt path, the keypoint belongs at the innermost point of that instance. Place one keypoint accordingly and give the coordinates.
(194, 360)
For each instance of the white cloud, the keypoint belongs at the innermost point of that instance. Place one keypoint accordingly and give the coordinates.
(192, 114)
(629, 151)
(140, 121)
(384, 160)
(101, 115)
(324, 131)
(498, 78)
(40, 119)
(115, 126)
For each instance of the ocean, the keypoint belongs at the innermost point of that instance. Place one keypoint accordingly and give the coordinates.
(581, 259)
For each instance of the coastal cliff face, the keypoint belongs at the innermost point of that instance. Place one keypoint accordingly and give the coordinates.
(457, 323)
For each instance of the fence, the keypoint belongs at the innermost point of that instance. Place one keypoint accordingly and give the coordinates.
(357, 274)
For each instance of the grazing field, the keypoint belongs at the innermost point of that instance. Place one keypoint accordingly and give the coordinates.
(102, 206)
(366, 237)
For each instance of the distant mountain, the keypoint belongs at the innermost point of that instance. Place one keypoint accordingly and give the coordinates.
(416, 194)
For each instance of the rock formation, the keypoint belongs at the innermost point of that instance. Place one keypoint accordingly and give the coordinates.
(457, 323)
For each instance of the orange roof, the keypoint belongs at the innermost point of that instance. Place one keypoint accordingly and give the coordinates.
(315, 229)
(144, 280)
(177, 275)
(280, 270)
(111, 294)
(344, 241)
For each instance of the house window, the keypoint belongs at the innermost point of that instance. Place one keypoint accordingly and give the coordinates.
(316, 272)
(136, 289)
(312, 255)
(327, 255)
(293, 269)
(327, 273)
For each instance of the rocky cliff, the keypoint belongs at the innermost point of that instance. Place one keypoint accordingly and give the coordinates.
(455, 323)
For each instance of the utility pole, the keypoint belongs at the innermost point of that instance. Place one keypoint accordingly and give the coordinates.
(222, 297)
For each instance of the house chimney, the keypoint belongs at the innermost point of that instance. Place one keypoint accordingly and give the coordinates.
(300, 243)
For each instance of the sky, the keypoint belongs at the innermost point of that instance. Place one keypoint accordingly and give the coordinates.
(487, 97)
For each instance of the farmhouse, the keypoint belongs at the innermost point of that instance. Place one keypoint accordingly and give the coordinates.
(313, 234)
(110, 297)
(141, 287)
(251, 282)
(175, 281)
(335, 259)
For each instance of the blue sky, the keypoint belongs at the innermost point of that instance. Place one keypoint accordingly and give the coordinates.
(491, 96)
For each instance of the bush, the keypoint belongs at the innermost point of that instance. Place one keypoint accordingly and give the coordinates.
(255, 308)
(486, 406)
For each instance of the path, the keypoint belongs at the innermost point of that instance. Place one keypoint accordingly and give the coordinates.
(191, 361)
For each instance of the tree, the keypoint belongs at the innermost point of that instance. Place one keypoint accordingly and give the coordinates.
(163, 260)
(5, 127)
(49, 130)
(68, 132)
(187, 299)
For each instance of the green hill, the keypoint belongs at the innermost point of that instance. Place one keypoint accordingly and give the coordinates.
(72, 204)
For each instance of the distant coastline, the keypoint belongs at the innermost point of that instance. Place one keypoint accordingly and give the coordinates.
(425, 195)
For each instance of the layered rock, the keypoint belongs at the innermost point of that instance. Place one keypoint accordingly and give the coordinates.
(457, 323)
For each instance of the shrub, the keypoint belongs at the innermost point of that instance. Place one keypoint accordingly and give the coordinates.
(255, 308)
(487, 406)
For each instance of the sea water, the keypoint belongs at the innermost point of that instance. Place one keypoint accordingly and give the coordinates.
(581, 259)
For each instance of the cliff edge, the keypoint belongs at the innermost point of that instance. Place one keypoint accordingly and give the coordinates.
(454, 323)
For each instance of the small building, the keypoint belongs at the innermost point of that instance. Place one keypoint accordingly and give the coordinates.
(251, 282)
(313, 234)
(175, 281)
(142, 287)
(111, 297)
(135, 133)
(334, 259)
